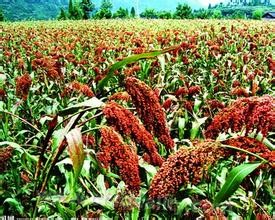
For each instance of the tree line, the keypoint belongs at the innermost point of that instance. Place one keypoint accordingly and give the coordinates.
(235, 9)
(85, 9)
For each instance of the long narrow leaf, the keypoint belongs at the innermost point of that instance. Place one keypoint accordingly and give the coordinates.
(90, 103)
(234, 180)
(76, 151)
(129, 60)
(181, 127)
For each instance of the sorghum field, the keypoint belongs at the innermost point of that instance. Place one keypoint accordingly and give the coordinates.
(137, 119)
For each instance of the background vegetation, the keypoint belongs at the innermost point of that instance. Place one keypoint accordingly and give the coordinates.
(51, 9)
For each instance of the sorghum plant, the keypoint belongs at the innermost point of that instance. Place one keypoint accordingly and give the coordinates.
(254, 113)
(149, 110)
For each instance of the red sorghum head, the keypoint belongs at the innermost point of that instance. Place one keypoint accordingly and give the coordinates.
(23, 84)
(249, 113)
(123, 96)
(126, 123)
(88, 140)
(2, 94)
(194, 90)
(5, 155)
(149, 110)
(187, 165)
(76, 86)
(116, 153)
(239, 91)
(252, 145)
(211, 213)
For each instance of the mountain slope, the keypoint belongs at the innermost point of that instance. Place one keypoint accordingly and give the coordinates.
(32, 9)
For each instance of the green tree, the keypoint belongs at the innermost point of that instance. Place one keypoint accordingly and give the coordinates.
(105, 10)
(2, 17)
(62, 15)
(121, 13)
(149, 13)
(217, 14)
(183, 11)
(87, 7)
(165, 15)
(238, 15)
(256, 2)
(257, 14)
(202, 14)
(77, 13)
(71, 8)
(133, 12)
(106, 4)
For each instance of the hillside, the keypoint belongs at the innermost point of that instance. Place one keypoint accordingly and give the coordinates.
(31, 9)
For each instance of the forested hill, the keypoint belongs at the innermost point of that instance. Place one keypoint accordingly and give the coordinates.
(31, 9)
(47, 9)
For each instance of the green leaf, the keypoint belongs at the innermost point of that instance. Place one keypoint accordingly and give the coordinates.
(15, 204)
(183, 205)
(65, 212)
(234, 180)
(100, 184)
(90, 103)
(135, 214)
(129, 60)
(96, 200)
(196, 127)
(150, 170)
(3, 79)
(181, 125)
(57, 138)
(162, 62)
(197, 105)
(20, 149)
(76, 151)
(261, 138)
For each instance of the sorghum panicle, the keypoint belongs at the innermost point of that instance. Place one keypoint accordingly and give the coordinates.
(126, 123)
(249, 113)
(187, 165)
(2, 94)
(123, 96)
(149, 110)
(23, 84)
(125, 202)
(116, 153)
(252, 145)
(210, 212)
(76, 86)
(88, 140)
(194, 90)
(239, 91)
(5, 155)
